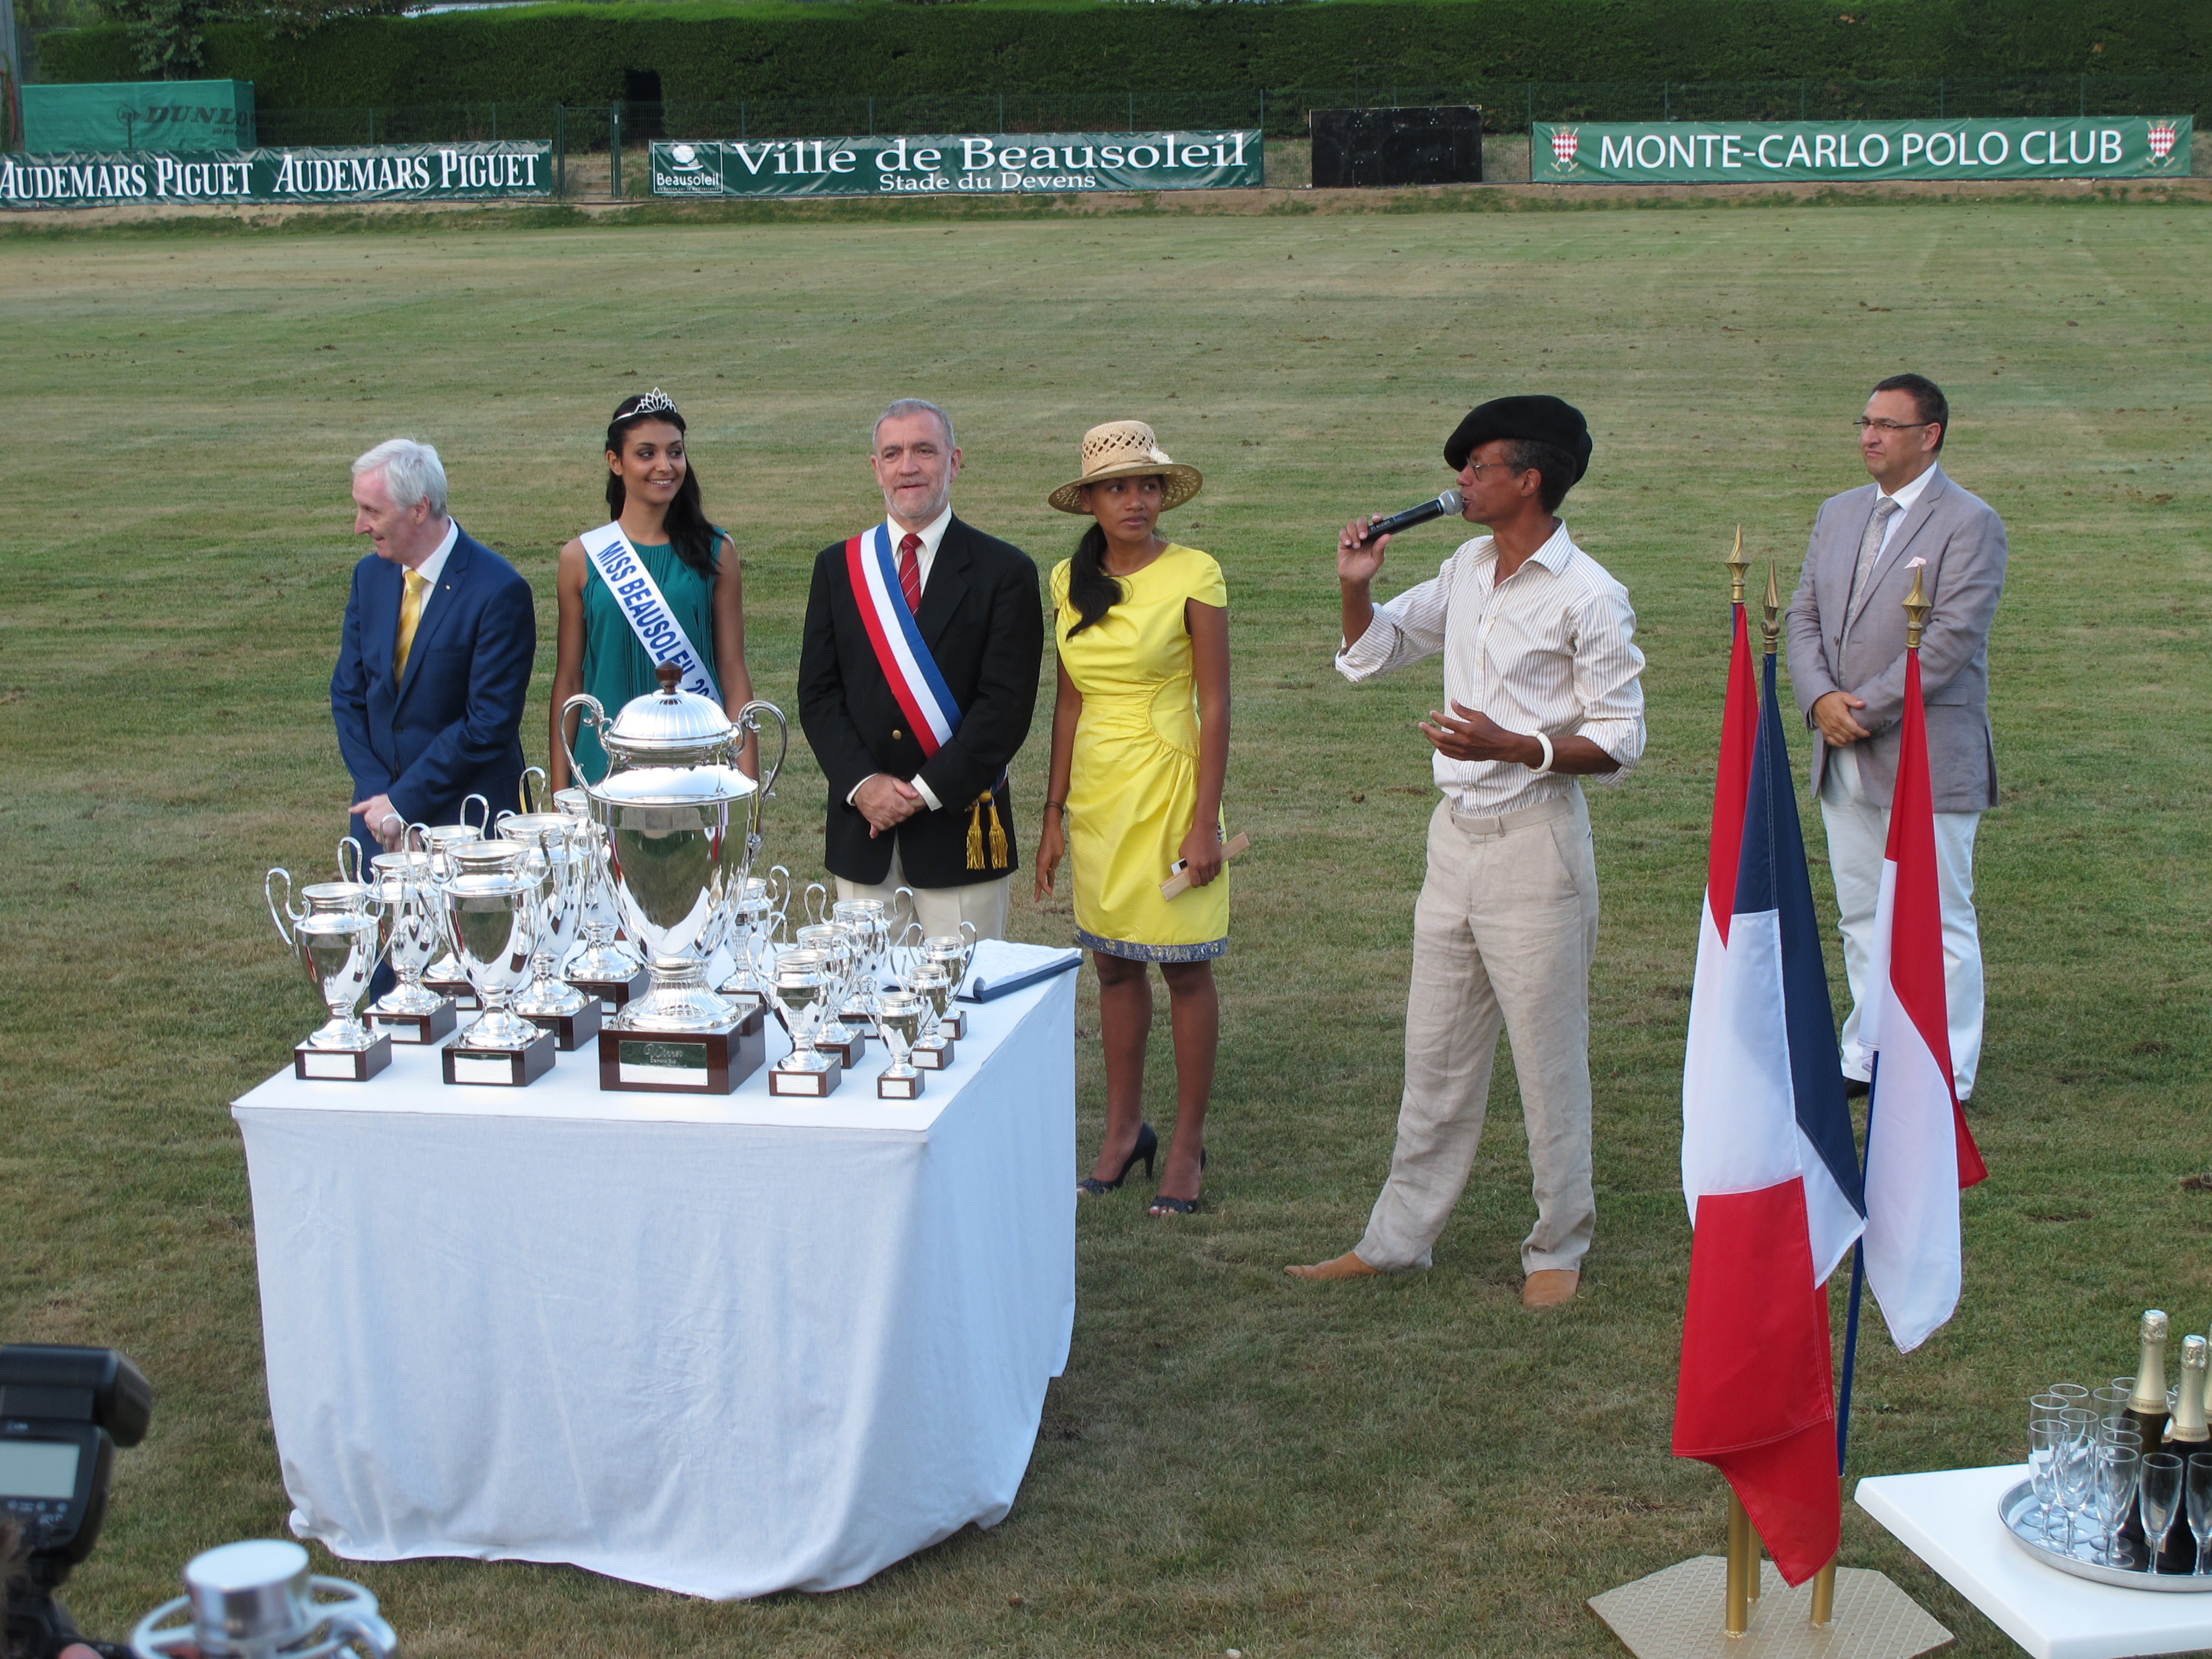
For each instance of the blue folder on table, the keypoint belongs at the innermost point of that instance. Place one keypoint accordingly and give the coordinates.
(1001, 967)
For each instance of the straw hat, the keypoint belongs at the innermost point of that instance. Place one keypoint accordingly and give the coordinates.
(1126, 449)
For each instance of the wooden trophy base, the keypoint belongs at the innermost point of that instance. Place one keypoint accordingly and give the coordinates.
(341, 1064)
(898, 1087)
(953, 1026)
(935, 1058)
(419, 1030)
(682, 1062)
(614, 995)
(846, 1044)
(462, 994)
(499, 1068)
(807, 1085)
(570, 1031)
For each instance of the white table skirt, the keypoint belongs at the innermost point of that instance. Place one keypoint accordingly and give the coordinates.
(1948, 1518)
(725, 1347)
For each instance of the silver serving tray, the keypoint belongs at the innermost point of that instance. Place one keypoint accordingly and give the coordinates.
(2022, 1517)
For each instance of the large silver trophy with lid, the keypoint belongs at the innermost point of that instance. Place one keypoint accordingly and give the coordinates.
(678, 819)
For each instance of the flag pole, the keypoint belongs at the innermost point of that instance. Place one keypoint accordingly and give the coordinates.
(1916, 608)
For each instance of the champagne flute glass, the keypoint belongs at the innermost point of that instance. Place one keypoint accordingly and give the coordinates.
(2109, 1403)
(2161, 1499)
(2119, 1468)
(2045, 1404)
(2072, 1393)
(2076, 1473)
(2046, 1439)
(2197, 1497)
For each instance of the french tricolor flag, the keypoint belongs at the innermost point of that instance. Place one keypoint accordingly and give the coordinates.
(1919, 1152)
(1769, 1164)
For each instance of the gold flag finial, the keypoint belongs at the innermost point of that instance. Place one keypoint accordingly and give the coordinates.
(1737, 565)
(1915, 607)
(1769, 623)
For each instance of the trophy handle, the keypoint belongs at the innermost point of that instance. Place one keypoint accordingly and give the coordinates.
(147, 1643)
(749, 720)
(349, 858)
(808, 906)
(913, 908)
(413, 838)
(530, 796)
(483, 826)
(595, 711)
(276, 913)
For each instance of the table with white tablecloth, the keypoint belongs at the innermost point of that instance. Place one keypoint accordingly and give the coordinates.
(722, 1345)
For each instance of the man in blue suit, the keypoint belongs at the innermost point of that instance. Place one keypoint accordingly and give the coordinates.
(440, 634)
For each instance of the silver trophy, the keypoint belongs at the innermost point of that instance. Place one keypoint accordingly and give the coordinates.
(800, 992)
(256, 1600)
(901, 1017)
(676, 812)
(844, 1028)
(339, 933)
(933, 985)
(752, 923)
(953, 952)
(410, 1012)
(491, 919)
(601, 962)
(557, 842)
(445, 974)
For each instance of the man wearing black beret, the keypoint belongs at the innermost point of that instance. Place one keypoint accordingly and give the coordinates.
(1542, 680)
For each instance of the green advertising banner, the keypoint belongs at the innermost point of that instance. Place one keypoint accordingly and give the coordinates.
(1742, 152)
(939, 165)
(383, 173)
(161, 115)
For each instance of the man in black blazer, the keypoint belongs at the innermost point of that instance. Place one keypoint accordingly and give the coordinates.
(435, 662)
(902, 813)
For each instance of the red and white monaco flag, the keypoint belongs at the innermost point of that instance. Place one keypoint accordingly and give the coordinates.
(1919, 1152)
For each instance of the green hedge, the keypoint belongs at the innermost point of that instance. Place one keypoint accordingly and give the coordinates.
(579, 54)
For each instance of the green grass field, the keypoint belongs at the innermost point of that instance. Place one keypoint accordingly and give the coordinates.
(1411, 1467)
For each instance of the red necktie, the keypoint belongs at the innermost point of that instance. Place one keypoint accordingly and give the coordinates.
(910, 572)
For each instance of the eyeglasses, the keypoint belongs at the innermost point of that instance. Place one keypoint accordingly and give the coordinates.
(1862, 424)
(1481, 467)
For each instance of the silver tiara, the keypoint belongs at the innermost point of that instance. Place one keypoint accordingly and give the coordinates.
(655, 402)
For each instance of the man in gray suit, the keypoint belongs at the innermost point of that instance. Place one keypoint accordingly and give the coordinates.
(1847, 665)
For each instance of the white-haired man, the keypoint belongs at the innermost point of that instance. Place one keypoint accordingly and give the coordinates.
(917, 679)
(434, 663)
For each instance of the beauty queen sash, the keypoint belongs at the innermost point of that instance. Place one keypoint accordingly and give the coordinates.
(913, 675)
(647, 609)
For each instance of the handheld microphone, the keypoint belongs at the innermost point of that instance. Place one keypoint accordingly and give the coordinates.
(1446, 505)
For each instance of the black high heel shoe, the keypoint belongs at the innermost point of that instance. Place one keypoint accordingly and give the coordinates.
(1147, 1148)
(1178, 1205)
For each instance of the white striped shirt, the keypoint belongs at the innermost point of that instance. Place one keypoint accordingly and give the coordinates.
(1550, 649)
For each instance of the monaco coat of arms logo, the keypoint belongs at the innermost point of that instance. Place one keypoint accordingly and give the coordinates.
(2162, 137)
(1566, 142)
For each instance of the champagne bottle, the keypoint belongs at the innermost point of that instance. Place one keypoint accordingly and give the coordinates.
(2188, 1438)
(2146, 1408)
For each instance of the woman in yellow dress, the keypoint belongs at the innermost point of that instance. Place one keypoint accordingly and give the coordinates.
(1140, 749)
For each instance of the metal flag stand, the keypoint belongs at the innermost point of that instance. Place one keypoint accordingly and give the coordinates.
(1840, 1613)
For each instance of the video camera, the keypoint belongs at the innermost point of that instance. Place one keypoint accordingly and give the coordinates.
(63, 1412)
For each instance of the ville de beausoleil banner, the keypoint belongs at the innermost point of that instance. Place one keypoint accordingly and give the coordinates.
(1741, 152)
(381, 172)
(963, 165)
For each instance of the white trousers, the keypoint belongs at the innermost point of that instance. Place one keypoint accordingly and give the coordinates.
(1858, 836)
(941, 910)
(1503, 935)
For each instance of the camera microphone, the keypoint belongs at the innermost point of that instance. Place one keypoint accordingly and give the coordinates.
(1444, 506)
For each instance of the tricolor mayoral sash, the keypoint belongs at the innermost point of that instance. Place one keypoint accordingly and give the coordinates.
(915, 681)
(647, 609)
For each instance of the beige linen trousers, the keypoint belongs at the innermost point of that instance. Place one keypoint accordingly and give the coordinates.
(1505, 933)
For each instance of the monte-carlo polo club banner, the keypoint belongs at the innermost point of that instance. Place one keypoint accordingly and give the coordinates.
(1742, 152)
(947, 165)
(382, 173)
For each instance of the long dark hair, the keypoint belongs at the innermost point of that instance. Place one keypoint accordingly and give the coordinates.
(697, 542)
(1090, 589)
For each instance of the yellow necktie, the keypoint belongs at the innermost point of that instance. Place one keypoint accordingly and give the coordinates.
(410, 613)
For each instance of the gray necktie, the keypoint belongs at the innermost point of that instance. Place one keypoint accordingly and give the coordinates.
(1870, 543)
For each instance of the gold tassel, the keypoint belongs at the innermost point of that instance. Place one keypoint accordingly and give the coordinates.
(975, 835)
(998, 860)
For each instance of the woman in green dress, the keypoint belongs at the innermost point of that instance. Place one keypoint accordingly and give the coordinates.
(654, 497)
